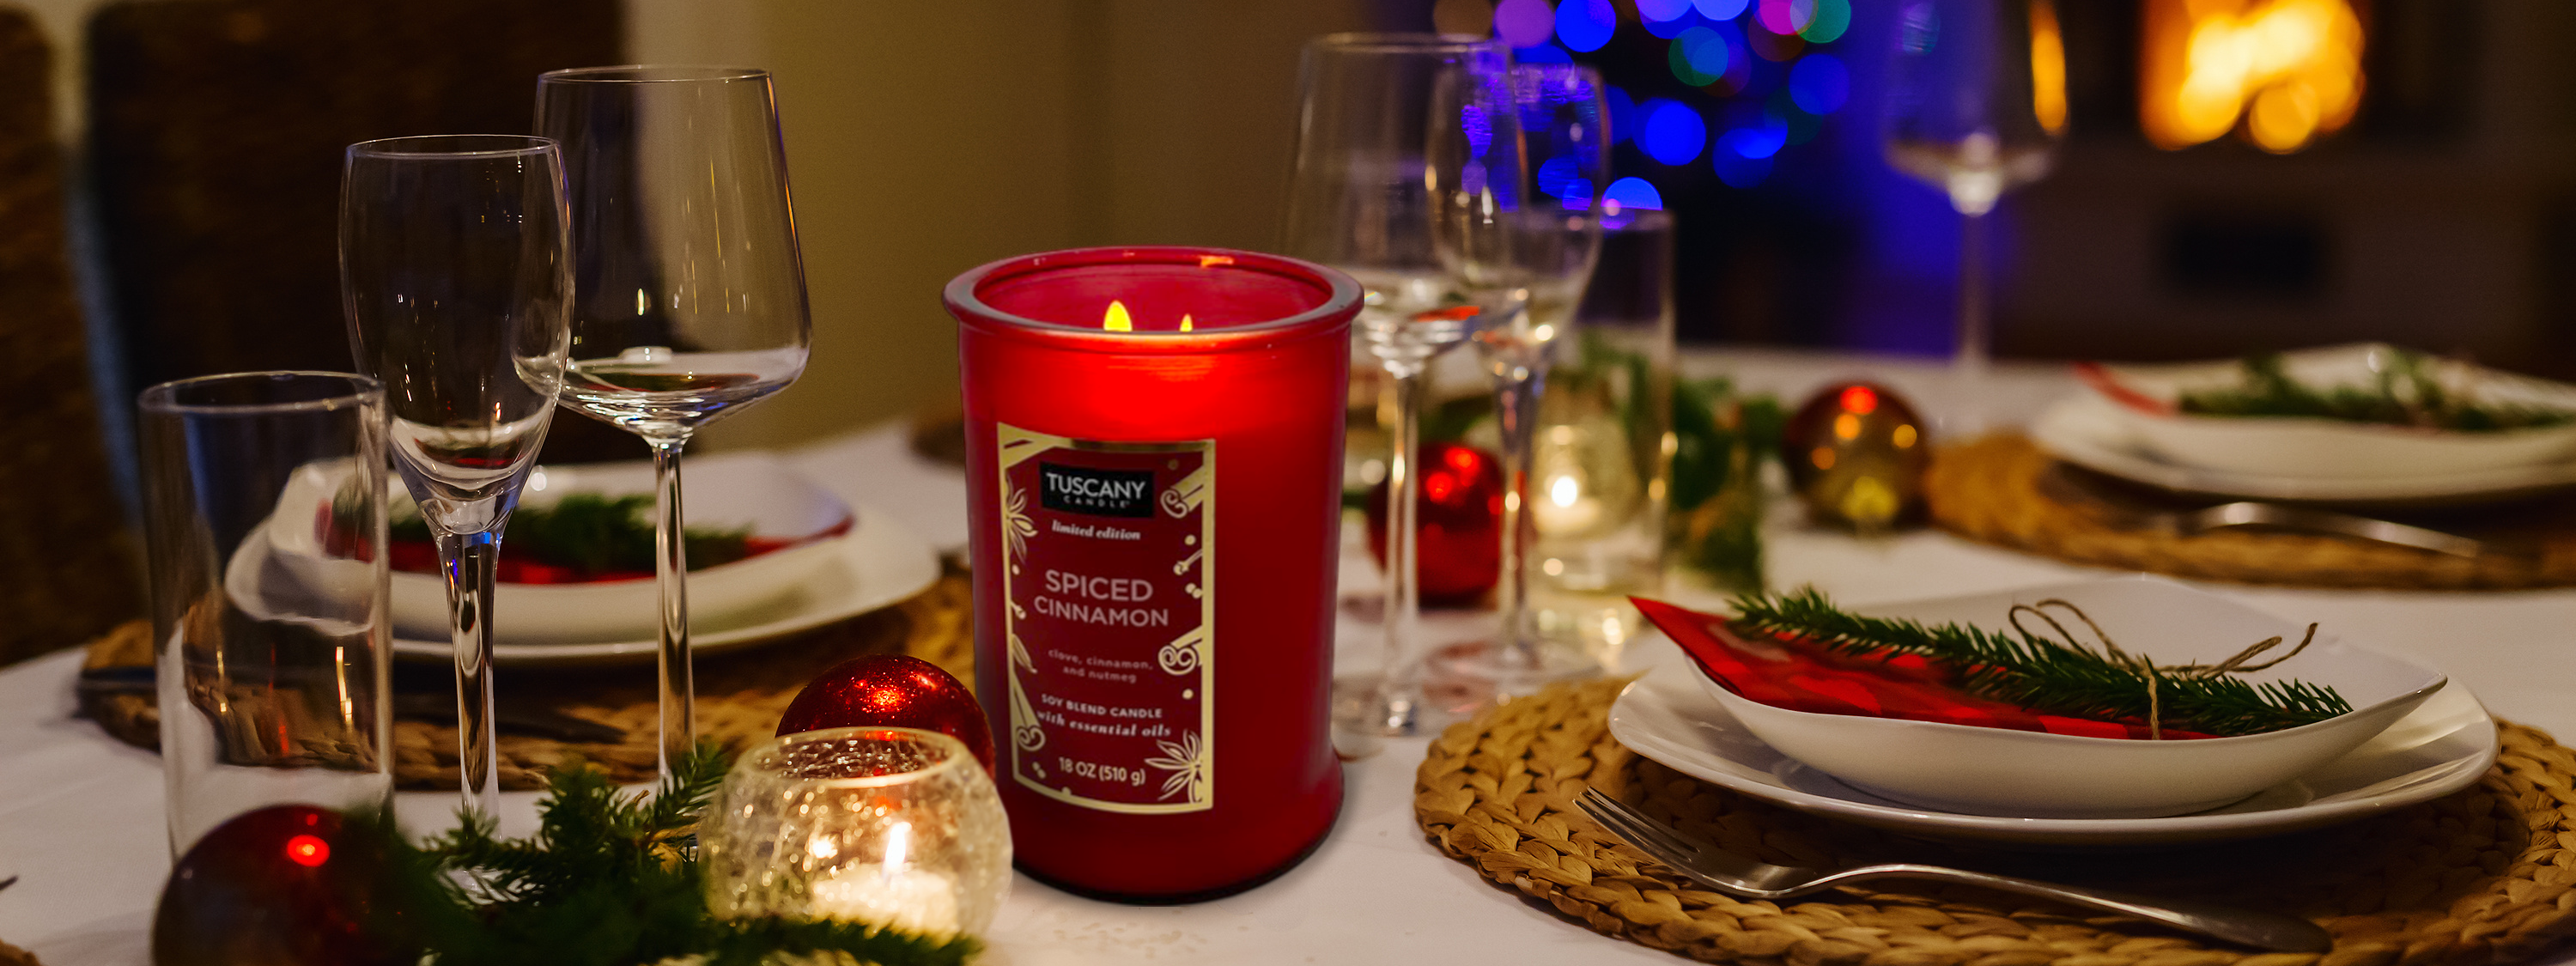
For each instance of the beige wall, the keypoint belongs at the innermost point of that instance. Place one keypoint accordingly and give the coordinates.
(925, 139)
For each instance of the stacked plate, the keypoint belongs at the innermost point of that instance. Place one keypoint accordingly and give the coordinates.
(2411, 737)
(2126, 427)
(833, 562)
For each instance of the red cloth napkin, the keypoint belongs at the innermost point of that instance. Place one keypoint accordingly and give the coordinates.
(1787, 672)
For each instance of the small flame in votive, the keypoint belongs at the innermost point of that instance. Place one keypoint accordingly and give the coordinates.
(1185, 321)
(898, 843)
(1116, 320)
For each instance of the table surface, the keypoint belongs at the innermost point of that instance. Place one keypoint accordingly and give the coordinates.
(81, 814)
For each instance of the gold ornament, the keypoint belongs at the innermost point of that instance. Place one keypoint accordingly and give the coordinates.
(1856, 454)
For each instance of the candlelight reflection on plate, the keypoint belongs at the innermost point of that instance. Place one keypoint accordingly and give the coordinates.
(894, 826)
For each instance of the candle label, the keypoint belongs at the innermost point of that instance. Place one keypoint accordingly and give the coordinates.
(1111, 618)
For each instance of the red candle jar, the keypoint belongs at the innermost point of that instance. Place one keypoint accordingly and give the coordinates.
(1154, 460)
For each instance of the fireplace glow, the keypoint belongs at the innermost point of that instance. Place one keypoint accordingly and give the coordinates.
(2290, 70)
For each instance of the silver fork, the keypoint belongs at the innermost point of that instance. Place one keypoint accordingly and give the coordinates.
(1736, 874)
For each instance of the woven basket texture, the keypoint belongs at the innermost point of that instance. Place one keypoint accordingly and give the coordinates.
(740, 694)
(2003, 490)
(2482, 876)
(68, 565)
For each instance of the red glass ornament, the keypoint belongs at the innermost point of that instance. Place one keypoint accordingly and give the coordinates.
(1460, 526)
(286, 885)
(891, 691)
(1154, 456)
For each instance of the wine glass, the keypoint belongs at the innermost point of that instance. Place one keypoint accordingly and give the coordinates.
(689, 297)
(1531, 261)
(1359, 202)
(1976, 104)
(456, 273)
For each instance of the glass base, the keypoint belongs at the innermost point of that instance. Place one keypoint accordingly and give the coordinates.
(1463, 679)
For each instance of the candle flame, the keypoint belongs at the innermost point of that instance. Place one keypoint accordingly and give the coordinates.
(898, 843)
(1185, 321)
(1116, 320)
(2047, 67)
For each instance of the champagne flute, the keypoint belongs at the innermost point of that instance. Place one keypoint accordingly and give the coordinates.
(1532, 261)
(456, 273)
(689, 298)
(1976, 104)
(1359, 202)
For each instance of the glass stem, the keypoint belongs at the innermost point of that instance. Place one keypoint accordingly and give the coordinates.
(1401, 686)
(1519, 378)
(469, 560)
(671, 577)
(1974, 314)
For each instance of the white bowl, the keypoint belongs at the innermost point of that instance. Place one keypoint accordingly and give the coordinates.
(2328, 448)
(730, 490)
(2029, 774)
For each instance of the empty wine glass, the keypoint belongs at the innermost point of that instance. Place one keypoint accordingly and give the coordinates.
(1359, 202)
(690, 288)
(1530, 261)
(456, 273)
(1976, 103)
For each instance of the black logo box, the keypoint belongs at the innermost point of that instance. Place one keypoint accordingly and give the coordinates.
(1096, 492)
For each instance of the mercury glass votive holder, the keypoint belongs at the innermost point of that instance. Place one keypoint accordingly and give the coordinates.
(893, 826)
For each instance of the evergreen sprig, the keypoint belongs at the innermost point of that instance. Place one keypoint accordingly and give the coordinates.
(2407, 393)
(607, 881)
(2045, 675)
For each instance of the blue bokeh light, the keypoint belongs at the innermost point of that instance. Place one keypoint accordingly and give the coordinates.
(1669, 29)
(1760, 140)
(1541, 54)
(1739, 171)
(1622, 114)
(1585, 25)
(1721, 9)
(1707, 51)
(1819, 84)
(1634, 194)
(1578, 195)
(1672, 132)
(1658, 11)
(1561, 176)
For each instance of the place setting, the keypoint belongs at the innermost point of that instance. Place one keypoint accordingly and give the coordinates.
(2365, 465)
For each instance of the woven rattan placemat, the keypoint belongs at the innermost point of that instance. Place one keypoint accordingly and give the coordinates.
(2479, 877)
(740, 693)
(2002, 489)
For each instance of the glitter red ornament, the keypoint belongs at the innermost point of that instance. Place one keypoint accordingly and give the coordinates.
(1460, 529)
(286, 885)
(892, 691)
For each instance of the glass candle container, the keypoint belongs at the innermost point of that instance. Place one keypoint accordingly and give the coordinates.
(894, 826)
(1601, 466)
(1154, 462)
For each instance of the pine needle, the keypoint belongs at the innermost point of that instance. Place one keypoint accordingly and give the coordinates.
(606, 881)
(2049, 676)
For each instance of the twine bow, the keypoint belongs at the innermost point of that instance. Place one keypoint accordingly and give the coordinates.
(2139, 665)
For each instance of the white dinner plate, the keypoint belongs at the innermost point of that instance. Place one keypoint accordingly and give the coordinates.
(2307, 446)
(2087, 431)
(879, 562)
(2440, 748)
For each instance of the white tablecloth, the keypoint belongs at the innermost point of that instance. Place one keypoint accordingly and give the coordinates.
(81, 817)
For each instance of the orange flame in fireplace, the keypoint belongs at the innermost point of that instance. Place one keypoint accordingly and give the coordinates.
(2291, 69)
